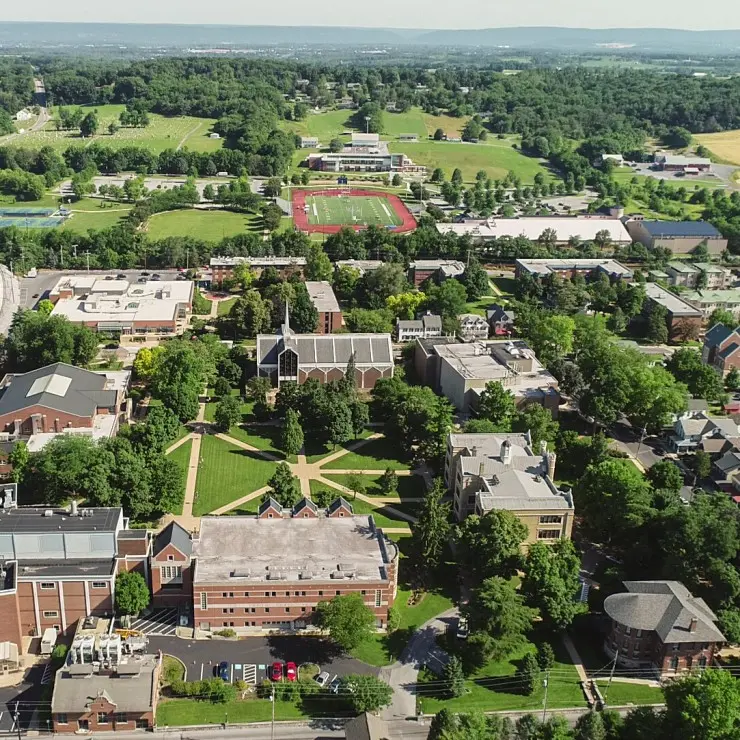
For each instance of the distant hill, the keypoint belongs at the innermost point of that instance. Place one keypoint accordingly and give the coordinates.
(171, 36)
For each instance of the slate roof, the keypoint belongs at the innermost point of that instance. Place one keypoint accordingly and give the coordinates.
(681, 228)
(339, 503)
(499, 313)
(328, 350)
(664, 607)
(305, 503)
(366, 727)
(175, 535)
(269, 503)
(729, 462)
(717, 334)
(61, 387)
(702, 425)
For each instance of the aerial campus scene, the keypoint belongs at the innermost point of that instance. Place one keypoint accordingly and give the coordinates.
(370, 382)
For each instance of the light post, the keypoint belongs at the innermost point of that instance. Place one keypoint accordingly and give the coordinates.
(367, 124)
(545, 683)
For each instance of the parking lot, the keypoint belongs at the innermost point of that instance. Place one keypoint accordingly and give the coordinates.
(161, 622)
(250, 659)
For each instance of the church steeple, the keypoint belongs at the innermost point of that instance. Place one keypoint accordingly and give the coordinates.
(285, 328)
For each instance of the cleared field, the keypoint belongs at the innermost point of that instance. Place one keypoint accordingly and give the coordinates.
(363, 210)
(207, 225)
(496, 158)
(89, 214)
(724, 145)
(161, 133)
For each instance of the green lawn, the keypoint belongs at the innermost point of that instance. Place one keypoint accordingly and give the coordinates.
(181, 456)
(261, 437)
(496, 157)
(224, 307)
(409, 486)
(630, 693)
(226, 473)
(506, 285)
(161, 133)
(331, 210)
(175, 712)
(94, 213)
(377, 454)
(207, 225)
(493, 688)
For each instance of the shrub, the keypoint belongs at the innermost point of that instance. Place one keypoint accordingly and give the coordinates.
(228, 632)
(59, 653)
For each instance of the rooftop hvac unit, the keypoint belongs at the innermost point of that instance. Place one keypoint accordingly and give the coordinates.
(337, 575)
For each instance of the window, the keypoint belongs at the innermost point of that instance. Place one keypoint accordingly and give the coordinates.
(224, 594)
(102, 718)
(267, 610)
(203, 600)
(338, 592)
(548, 534)
(142, 724)
(274, 593)
(303, 593)
(287, 593)
(674, 663)
(62, 718)
(99, 584)
(170, 557)
(378, 597)
(321, 593)
(639, 633)
(287, 610)
(231, 594)
(303, 609)
(627, 630)
(231, 610)
(47, 586)
(703, 661)
(51, 615)
(224, 611)
(267, 594)
(551, 519)
(121, 717)
(83, 724)
(363, 592)
(246, 594)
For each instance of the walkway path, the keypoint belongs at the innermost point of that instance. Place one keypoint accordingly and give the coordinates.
(179, 443)
(188, 135)
(239, 502)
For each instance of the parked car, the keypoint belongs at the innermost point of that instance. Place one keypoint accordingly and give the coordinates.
(276, 671)
(334, 685)
(462, 628)
(120, 276)
(322, 679)
(156, 278)
(141, 280)
(223, 670)
(291, 671)
(145, 274)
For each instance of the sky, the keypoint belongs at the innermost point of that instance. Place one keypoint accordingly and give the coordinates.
(724, 14)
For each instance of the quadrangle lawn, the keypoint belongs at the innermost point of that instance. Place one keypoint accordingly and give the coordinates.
(226, 473)
(377, 454)
(409, 486)
(181, 456)
(334, 210)
(207, 225)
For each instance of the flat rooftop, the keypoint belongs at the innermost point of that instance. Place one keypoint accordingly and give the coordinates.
(704, 297)
(66, 568)
(33, 519)
(585, 227)
(248, 549)
(547, 266)
(322, 295)
(671, 302)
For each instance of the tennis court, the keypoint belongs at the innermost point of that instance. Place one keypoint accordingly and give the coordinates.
(30, 218)
(327, 211)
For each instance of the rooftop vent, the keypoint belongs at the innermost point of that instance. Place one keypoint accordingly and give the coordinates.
(337, 575)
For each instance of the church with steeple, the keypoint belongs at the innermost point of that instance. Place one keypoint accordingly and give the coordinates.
(290, 357)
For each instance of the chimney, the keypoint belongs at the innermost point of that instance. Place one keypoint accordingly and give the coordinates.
(73, 507)
(474, 451)
(551, 459)
(693, 624)
(481, 469)
(506, 452)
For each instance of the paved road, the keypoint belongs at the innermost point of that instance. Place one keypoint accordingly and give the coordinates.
(27, 695)
(201, 656)
(629, 441)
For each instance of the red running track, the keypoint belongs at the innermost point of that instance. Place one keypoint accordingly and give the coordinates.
(300, 217)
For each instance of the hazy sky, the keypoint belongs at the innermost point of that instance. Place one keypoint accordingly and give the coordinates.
(724, 14)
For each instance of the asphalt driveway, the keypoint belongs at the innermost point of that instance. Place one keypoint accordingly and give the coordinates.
(201, 656)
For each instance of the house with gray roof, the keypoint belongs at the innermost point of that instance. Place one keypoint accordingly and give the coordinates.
(661, 625)
(428, 326)
(501, 471)
(721, 348)
(690, 431)
(289, 357)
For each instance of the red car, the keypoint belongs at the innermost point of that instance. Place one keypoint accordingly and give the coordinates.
(276, 671)
(291, 672)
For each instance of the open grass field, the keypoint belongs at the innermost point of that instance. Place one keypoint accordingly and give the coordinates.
(226, 473)
(622, 693)
(207, 225)
(409, 486)
(362, 210)
(161, 133)
(93, 213)
(496, 157)
(378, 454)
(181, 457)
(724, 145)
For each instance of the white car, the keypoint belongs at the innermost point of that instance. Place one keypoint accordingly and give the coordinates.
(334, 685)
(322, 679)
(462, 628)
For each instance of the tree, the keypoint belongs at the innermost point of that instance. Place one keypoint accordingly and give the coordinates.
(339, 423)
(258, 388)
(457, 177)
(291, 434)
(397, 180)
(356, 484)
(45, 307)
(360, 416)
(729, 623)
(19, 458)
(179, 377)
(284, 486)
(132, 593)
(497, 405)
(703, 707)
(89, 124)
(722, 316)
(439, 135)
(551, 336)
(304, 317)
(702, 380)
(221, 387)
(537, 420)
(209, 192)
(366, 693)
(475, 280)
(228, 413)
(432, 528)
(528, 675)
(272, 215)
(545, 656)
(551, 582)
(347, 619)
(389, 482)
(250, 315)
(590, 726)
(665, 476)
(657, 327)
(454, 677)
(243, 275)
(318, 265)
(732, 379)
(336, 145)
(700, 464)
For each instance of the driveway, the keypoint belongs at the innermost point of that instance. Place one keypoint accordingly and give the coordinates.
(201, 656)
(26, 696)
(628, 440)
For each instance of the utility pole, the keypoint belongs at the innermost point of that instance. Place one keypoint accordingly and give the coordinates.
(17, 721)
(643, 434)
(272, 728)
(546, 683)
(611, 675)
(61, 256)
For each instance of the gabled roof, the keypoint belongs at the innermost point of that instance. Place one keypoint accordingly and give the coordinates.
(717, 334)
(728, 462)
(340, 503)
(305, 503)
(666, 608)
(269, 503)
(366, 727)
(175, 535)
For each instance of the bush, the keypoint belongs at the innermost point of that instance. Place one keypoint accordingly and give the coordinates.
(172, 670)
(211, 689)
(545, 656)
(59, 654)
(228, 632)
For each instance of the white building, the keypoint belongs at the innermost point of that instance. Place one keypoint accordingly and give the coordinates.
(427, 327)
(473, 327)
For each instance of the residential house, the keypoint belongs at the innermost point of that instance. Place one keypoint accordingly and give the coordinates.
(708, 301)
(689, 433)
(500, 471)
(472, 327)
(428, 326)
(717, 277)
(682, 274)
(661, 626)
(501, 320)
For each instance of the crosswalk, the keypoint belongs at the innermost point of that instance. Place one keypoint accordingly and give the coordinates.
(160, 622)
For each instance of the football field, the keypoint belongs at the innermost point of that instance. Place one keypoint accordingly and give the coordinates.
(350, 210)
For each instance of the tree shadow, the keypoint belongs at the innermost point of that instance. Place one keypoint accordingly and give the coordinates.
(300, 649)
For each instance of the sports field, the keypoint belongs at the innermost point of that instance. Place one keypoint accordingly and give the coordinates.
(327, 211)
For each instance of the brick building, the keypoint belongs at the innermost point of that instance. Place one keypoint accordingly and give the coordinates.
(683, 319)
(660, 625)
(223, 267)
(326, 303)
(422, 270)
(721, 348)
(60, 565)
(172, 567)
(270, 571)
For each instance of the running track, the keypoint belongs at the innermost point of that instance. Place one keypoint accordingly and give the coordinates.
(300, 217)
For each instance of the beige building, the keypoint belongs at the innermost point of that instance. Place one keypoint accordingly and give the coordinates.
(500, 471)
(681, 237)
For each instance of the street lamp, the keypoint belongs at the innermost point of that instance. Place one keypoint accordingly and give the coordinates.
(367, 124)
